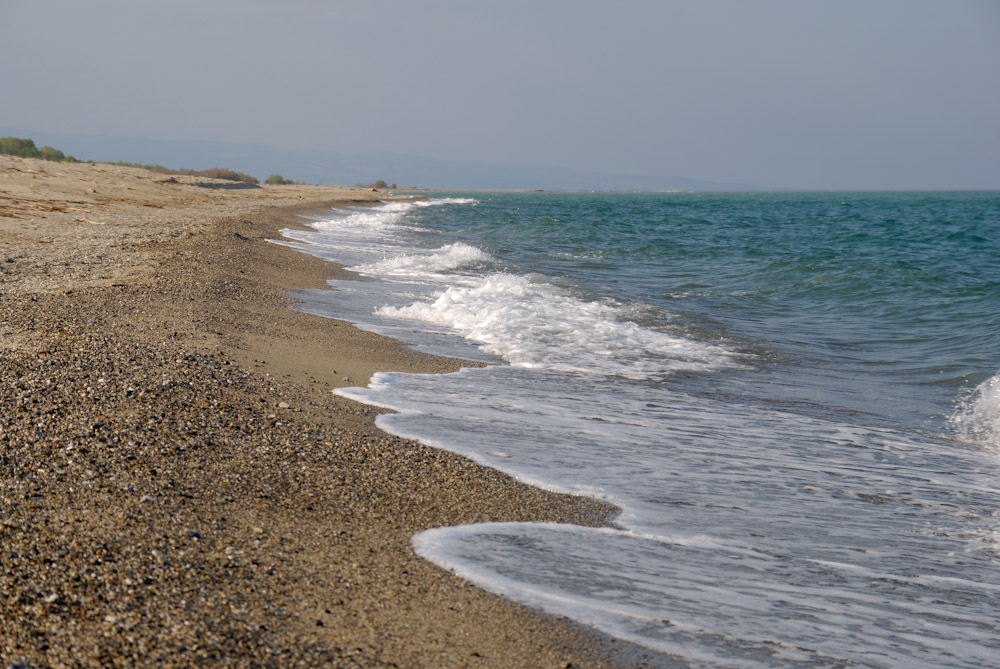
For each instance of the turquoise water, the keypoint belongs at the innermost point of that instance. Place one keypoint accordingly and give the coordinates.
(793, 398)
(901, 290)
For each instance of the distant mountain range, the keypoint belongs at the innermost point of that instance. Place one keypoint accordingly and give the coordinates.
(350, 169)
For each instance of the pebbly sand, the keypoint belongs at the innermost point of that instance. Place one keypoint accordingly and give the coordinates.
(178, 485)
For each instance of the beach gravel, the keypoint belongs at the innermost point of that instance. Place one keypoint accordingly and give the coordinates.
(178, 484)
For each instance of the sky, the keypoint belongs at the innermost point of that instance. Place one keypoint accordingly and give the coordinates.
(824, 94)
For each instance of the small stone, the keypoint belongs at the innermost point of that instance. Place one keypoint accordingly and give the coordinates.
(283, 405)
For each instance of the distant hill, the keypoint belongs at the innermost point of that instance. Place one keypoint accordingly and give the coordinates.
(349, 169)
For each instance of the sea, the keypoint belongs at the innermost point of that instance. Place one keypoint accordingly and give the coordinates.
(793, 400)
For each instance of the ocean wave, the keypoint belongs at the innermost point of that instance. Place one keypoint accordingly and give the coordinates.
(535, 324)
(364, 220)
(445, 200)
(447, 258)
(842, 533)
(977, 418)
(386, 216)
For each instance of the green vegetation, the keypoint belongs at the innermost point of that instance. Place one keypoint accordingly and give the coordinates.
(228, 175)
(152, 168)
(25, 148)
(378, 184)
(210, 173)
(277, 180)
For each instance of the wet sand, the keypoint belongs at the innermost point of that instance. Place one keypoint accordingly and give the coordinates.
(178, 484)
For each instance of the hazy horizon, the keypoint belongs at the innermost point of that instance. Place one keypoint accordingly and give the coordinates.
(781, 94)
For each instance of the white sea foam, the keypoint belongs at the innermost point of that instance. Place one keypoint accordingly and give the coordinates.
(722, 619)
(524, 319)
(365, 219)
(362, 237)
(977, 418)
(437, 202)
(747, 535)
(373, 221)
(447, 258)
(533, 323)
(750, 534)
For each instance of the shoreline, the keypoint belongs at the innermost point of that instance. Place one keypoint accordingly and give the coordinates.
(178, 483)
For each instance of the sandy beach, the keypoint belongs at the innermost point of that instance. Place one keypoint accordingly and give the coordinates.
(178, 484)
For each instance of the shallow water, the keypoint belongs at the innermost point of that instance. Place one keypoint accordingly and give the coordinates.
(793, 399)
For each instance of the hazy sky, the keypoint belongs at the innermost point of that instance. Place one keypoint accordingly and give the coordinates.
(780, 93)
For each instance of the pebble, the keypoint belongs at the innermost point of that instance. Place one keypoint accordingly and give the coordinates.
(103, 418)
